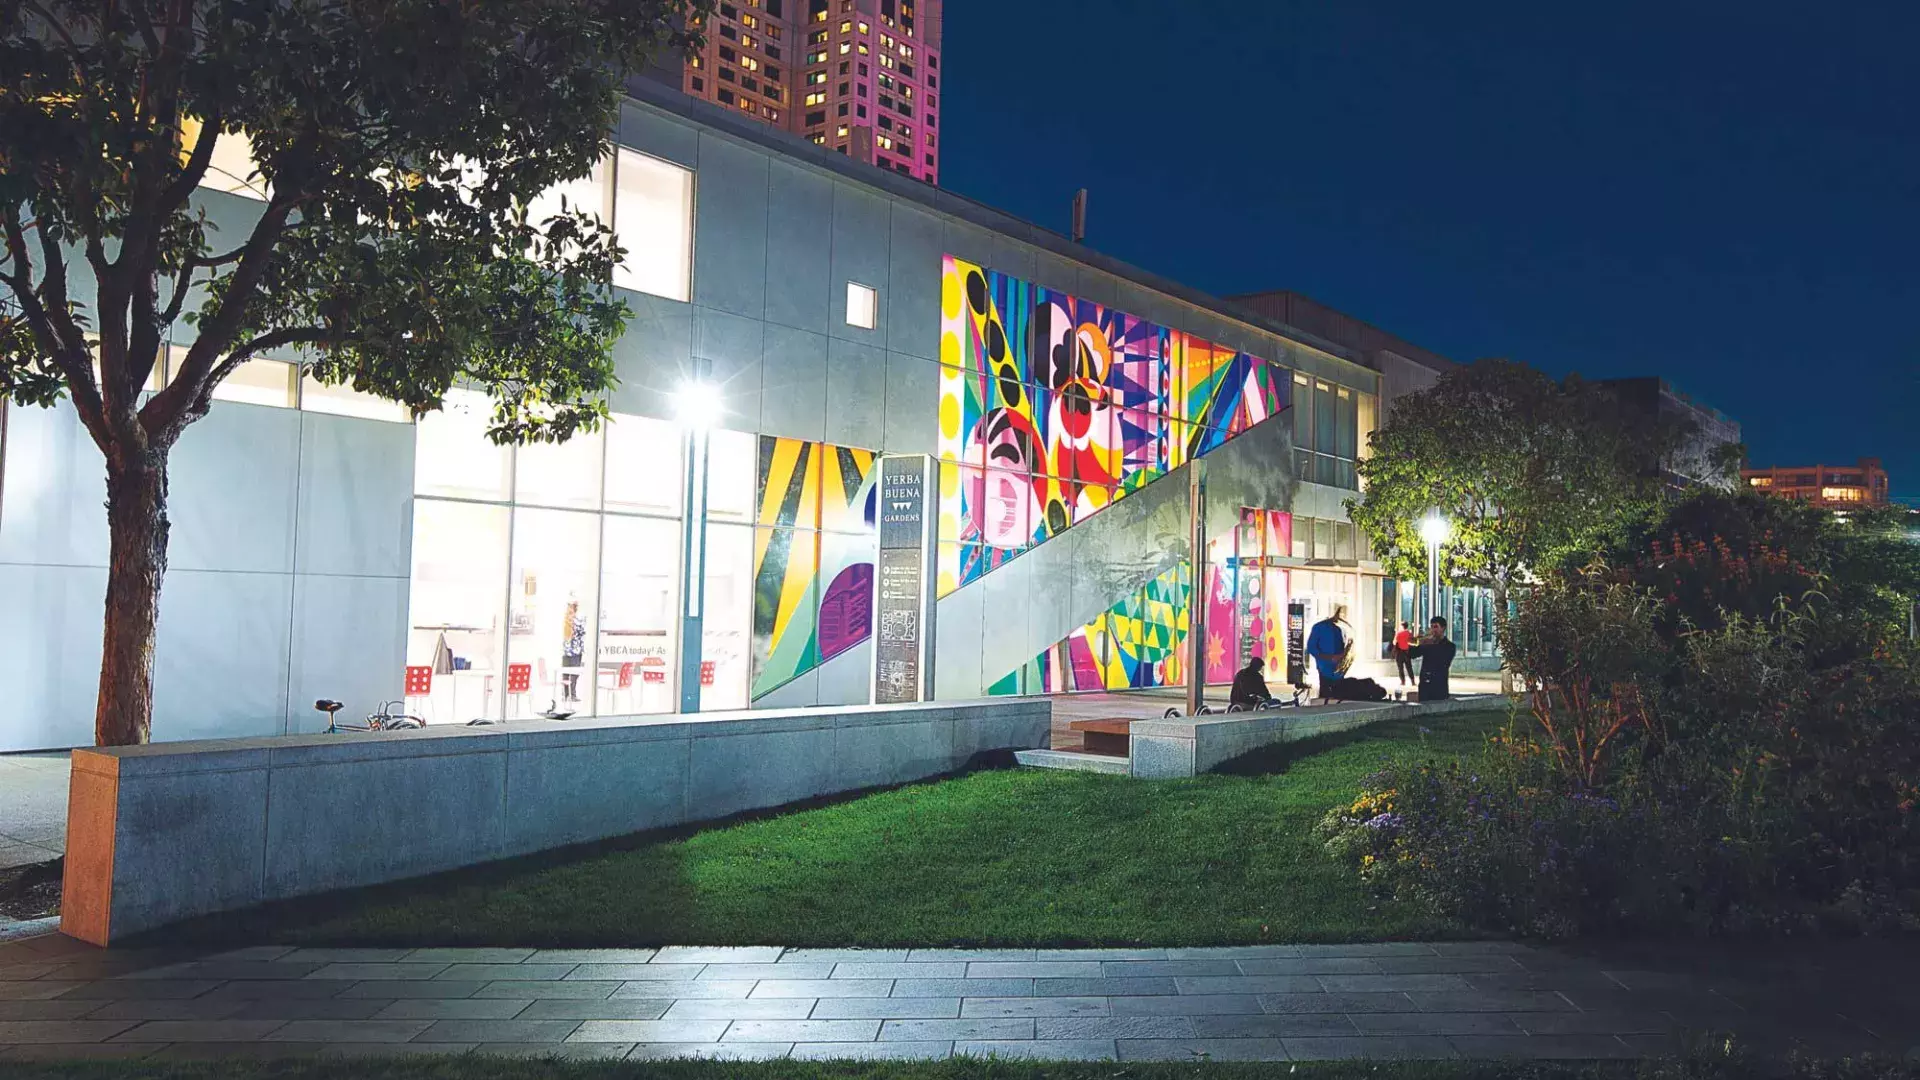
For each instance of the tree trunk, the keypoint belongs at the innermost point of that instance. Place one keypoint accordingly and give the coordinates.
(137, 527)
(1499, 620)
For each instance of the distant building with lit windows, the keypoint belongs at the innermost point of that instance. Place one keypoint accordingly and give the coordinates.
(861, 77)
(1837, 487)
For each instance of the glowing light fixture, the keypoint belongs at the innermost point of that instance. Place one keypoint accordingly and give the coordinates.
(1434, 529)
(697, 405)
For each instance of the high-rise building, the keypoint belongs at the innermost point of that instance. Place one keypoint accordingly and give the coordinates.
(858, 76)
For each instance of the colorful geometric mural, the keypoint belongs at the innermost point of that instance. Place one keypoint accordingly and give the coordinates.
(1141, 641)
(1052, 407)
(1138, 643)
(812, 556)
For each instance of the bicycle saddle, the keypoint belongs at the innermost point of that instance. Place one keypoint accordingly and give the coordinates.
(325, 706)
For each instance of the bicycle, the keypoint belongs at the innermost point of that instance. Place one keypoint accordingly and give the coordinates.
(382, 719)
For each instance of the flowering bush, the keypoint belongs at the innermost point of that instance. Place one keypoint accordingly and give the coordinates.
(1483, 841)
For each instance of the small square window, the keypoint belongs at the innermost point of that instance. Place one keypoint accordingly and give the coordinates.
(863, 304)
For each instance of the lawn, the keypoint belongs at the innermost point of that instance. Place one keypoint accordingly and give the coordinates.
(1000, 857)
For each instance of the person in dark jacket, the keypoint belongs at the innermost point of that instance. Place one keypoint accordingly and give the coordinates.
(1250, 685)
(1435, 653)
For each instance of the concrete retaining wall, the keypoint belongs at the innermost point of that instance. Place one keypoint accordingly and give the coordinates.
(161, 833)
(1188, 746)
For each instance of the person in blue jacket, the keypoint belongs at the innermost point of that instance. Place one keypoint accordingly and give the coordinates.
(1327, 644)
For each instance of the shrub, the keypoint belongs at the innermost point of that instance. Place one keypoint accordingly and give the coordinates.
(1762, 776)
(1591, 656)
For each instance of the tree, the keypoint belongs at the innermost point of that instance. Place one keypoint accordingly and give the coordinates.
(398, 145)
(1526, 469)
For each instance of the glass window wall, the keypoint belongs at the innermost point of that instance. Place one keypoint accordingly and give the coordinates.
(571, 551)
(458, 602)
(639, 653)
(551, 596)
(1332, 426)
(453, 457)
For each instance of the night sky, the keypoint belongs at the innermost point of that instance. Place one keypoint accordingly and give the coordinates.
(1726, 194)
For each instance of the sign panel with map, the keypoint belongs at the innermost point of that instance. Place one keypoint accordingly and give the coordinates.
(900, 591)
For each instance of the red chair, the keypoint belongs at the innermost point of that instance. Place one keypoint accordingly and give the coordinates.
(418, 683)
(623, 681)
(519, 684)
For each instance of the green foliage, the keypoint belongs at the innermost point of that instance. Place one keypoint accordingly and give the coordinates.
(1590, 652)
(1525, 468)
(1713, 555)
(399, 143)
(1719, 737)
(1761, 774)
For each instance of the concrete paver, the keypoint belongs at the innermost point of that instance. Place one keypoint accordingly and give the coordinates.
(33, 807)
(1398, 1000)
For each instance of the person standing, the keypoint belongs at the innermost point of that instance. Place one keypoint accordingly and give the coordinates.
(1327, 644)
(1402, 662)
(1436, 661)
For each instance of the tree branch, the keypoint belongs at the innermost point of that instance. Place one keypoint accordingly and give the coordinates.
(66, 37)
(41, 321)
(195, 169)
(192, 383)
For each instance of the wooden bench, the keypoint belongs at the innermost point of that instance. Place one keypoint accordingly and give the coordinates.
(1104, 736)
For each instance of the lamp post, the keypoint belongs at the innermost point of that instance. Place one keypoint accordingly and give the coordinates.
(1434, 530)
(696, 408)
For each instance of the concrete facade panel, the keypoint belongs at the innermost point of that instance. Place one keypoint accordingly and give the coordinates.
(862, 243)
(55, 489)
(730, 226)
(799, 247)
(856, 394)
(355, 497)
(221, 667)
(50, 627)
(652, 357)
(733, 348)
(235, 511)
(913, 283)
(793, 399)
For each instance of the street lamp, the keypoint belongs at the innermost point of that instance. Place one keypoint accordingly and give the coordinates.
(1434, 529)
(697, 408)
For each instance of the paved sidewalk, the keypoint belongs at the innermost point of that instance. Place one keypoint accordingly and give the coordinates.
(33, 807)
(60, 999)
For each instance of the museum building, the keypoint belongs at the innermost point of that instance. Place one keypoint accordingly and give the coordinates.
(947, 454)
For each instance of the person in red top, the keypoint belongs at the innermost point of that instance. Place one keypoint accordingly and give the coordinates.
(1403, 654)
